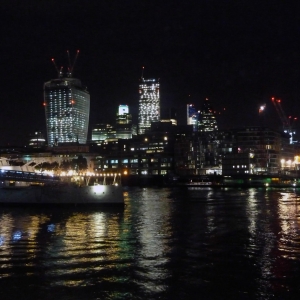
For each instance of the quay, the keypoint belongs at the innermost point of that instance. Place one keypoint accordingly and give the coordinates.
(235, 181)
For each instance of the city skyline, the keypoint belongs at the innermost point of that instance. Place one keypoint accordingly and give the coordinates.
(238, 55)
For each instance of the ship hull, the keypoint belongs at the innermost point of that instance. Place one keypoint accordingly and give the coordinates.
(63, 194)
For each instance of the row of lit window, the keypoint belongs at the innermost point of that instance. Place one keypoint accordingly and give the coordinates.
(242, 166)
(146, 172)
(136, 160)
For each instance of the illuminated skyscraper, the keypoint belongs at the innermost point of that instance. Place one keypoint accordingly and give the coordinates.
(149, 104)
(101, 132)
(67, 109)
(207, 122)
(123, 115)
(123, 123)
(192, 116)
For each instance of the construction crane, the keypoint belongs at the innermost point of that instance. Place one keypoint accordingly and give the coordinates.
(70, 67)
(287, 122)
(59, 72)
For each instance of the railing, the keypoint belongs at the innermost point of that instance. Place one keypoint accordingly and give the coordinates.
(27, 176)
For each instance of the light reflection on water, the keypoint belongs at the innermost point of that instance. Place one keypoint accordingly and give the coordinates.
(167, 244)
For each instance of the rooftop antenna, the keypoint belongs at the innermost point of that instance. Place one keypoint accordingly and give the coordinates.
(143, 72)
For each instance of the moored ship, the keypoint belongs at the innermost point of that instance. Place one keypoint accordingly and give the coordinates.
(27, 187)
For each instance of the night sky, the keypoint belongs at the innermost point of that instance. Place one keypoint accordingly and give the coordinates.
(236, 53)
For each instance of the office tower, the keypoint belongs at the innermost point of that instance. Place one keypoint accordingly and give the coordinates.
(36, 140)
(123, 123)
(67, 109)
(207, 122)
(101, 132)
(123, 115)
(149, 104)
(192, 116)
(169, 115)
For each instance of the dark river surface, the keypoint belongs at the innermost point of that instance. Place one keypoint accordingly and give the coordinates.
(164, 244)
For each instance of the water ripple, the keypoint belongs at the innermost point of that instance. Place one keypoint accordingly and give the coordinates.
(165, 244)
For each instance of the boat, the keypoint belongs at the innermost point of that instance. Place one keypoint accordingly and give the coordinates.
(28, 187)
(198, 184)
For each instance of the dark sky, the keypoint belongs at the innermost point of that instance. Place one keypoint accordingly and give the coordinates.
(236, 53)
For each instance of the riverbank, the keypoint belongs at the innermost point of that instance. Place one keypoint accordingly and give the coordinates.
(214, 181)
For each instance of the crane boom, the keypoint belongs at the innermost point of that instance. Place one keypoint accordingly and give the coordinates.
(72, 67)
(286, 122)
(69, 59)
(56, 68)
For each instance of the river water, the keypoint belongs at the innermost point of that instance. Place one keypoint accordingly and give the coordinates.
(164, 244)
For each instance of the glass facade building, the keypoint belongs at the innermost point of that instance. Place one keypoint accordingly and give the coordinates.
(207, 122)
(67, 109)
(149, 104)
(192, 116)
(123, 115)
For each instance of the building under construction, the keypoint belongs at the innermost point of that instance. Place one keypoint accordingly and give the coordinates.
(67, 108)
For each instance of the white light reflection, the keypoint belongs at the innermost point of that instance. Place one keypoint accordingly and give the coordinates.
(252, 212)
(79, 252)
(287, 214)
(99, 189)
(210, 215)
(154, 231)
(262, 239)
(274, 235)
